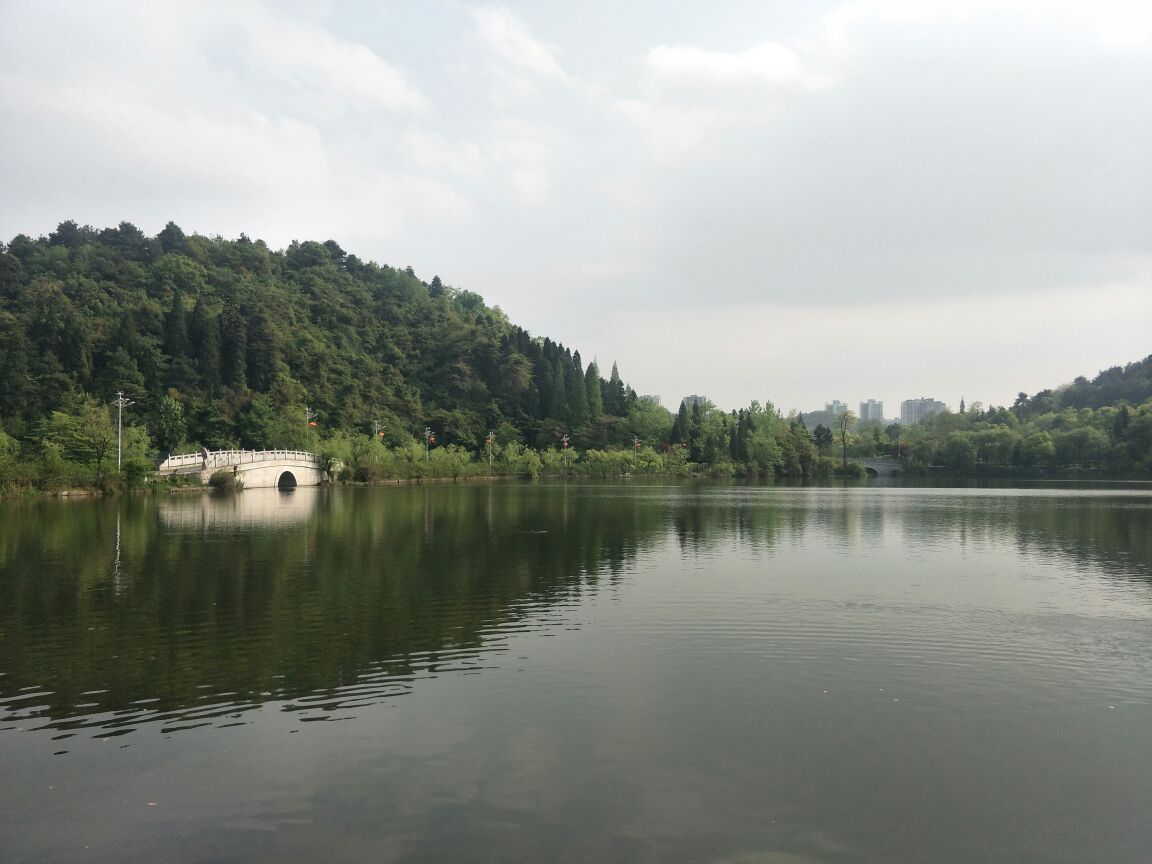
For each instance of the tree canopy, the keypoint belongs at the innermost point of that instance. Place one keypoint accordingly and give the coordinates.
(224, 343)
(227, 343)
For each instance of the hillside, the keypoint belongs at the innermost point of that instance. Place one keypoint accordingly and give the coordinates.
(225, 343)
(1131, 384)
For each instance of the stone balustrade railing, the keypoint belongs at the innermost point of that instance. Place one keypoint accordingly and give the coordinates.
(229, 458)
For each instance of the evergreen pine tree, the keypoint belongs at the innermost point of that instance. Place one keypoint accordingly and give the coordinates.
(559, 409)
(176, 328)
(234, 350)
(577, 399)
(542, 377)
(680, 426)
(204, 333)
(592, 391)
(696, 433)
(263, 351)
(614, 396)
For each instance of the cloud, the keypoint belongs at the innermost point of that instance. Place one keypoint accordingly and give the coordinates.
(509, 38)
(434, 151)
(526, 153)
(1116, 24)
(303, 57)
(720, 184)
(222, 106)
(942, 159)
(690, 95)
(767, 63)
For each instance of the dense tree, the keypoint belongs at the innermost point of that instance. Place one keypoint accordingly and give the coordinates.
(222, 344)
(680, 426)
(83, 432)
(171, 239)
(234, 350)
(576, 396)
(169, 423)
(592, 391)
(204, 333)
(822, 437)
(225, 322)
(614, 396)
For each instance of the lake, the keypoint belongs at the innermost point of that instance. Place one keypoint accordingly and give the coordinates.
(579, 673)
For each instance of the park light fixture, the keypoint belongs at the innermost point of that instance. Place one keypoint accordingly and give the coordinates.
(121, 403)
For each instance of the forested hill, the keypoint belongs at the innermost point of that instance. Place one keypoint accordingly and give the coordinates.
(1131, 383)
(225, 343)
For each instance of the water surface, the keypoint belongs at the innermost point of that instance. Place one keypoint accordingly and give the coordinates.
(579, 673)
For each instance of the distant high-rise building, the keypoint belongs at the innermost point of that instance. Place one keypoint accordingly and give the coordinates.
(872, 410)
(912, 411)
(835, 407)
(691, 402)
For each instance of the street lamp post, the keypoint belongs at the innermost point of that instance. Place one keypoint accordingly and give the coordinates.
(564, 452)
(489, 441)
(121, 403)
(428, 439)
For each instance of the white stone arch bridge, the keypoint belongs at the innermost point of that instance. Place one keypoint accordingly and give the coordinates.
(257, 469)
(881, 467)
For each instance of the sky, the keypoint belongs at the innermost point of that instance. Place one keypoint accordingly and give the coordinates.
(788, 202)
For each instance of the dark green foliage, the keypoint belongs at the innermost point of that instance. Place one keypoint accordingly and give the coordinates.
(593, 396)
(225, 344)
(822, 437)
(223, 481)
(204, 333)
(1034, 437)
(1131, 384)
(171, 239)
(614, 396)
(234, 350)
(679, 434)
(240, 339)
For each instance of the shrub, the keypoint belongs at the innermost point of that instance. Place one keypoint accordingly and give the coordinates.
(851, 471)
(225, 481)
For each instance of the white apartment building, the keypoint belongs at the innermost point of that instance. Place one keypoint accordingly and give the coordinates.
(872, 410)
(912, 411)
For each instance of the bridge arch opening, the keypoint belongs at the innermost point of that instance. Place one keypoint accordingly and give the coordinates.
(287, 480)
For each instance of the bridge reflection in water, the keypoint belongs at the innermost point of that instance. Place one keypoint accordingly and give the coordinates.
(254, 509)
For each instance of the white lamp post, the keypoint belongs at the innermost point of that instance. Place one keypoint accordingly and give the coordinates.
(121, 403)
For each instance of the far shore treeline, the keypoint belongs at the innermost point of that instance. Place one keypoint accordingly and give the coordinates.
(227, 344)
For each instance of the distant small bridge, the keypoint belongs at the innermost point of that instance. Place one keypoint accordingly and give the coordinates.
(881, 467)
(257, 469)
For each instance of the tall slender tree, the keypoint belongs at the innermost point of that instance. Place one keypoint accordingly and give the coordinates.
(204, 334)
(592, 391)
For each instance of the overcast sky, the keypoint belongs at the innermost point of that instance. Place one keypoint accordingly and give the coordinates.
(794, 202)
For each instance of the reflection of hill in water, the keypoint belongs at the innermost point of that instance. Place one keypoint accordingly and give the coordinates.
(376, 588)
(206, 607)
(253, 508)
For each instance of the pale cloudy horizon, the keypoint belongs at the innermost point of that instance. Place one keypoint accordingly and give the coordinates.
(775, 201)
